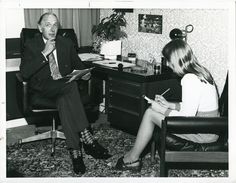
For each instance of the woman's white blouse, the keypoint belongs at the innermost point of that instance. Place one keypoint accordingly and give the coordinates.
(198, 99)
(197, 96)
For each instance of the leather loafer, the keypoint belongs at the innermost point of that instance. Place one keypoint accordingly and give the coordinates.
(77, 161)
(121, 165)
(96, 150)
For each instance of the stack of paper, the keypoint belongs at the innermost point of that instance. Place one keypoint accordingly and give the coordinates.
(90, 57)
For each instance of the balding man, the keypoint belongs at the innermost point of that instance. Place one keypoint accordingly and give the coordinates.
(46, 59)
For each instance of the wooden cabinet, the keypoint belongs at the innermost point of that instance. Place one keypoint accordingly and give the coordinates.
(126, 105)
(124, 89)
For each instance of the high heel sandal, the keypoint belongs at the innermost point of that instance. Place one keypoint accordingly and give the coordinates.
(121, 165)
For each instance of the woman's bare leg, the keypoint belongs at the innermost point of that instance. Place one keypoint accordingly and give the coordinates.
(150, 119)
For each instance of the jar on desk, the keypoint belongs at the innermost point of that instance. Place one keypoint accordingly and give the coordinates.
(132, 58)
(157, 69)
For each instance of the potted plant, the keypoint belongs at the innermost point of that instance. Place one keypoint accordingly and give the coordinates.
(109, 29)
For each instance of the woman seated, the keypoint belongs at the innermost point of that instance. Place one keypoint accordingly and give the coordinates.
(199, 98)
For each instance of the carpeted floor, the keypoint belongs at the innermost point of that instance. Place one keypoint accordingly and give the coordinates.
(34, 160)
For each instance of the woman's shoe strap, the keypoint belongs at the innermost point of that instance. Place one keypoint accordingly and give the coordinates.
(132, 162)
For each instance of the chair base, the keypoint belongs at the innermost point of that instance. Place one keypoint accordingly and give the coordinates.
(43, 136)
(53, 135)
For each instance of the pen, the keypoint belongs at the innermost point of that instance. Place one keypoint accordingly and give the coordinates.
(165, 92)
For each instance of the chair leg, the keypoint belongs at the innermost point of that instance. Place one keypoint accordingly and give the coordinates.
(53, 134)
(163, 172)
(56, 135)
(163, 169)
(153, 151)
(53, 145)
(42, 136)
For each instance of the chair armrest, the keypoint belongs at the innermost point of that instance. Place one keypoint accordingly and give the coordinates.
(191, 125)
(24, 92)
(195, 124)
(19, 77)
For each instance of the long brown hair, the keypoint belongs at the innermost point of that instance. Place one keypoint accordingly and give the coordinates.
(179, 53)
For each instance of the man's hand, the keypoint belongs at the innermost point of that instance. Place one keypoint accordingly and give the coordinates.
(49, 47)
(86, 76)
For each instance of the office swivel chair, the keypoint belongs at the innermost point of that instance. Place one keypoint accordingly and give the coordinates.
(177, 153)
(35, 105)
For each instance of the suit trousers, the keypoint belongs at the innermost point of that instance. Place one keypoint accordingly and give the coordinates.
(71, 111)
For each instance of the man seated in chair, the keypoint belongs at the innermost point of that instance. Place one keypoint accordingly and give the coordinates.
(46, 59)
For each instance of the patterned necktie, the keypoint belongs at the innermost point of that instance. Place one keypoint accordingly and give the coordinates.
(55, 73)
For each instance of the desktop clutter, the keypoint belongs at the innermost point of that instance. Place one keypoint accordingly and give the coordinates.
(121, 63)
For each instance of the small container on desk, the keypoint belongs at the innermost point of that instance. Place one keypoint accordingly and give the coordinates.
(157, 68)
(132, 57)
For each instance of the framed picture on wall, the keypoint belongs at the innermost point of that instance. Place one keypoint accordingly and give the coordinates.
(150, 23)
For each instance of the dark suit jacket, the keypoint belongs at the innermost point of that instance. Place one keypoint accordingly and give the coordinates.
(35, 67)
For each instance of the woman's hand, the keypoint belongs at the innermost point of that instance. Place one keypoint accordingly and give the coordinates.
(160, 99)
(158, 107)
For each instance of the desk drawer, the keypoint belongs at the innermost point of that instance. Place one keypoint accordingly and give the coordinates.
(124, 101)
(124, 120)
(123, 86)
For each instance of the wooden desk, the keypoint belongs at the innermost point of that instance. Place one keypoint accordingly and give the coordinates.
(124, 89)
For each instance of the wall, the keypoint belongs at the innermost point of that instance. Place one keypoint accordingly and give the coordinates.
(15, 22)
(208, 39)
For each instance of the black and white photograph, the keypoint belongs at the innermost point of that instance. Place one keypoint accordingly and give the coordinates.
(150, 23)
(142, 93)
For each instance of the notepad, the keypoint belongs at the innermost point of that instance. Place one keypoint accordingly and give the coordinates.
(90, 57)
(77, 74)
